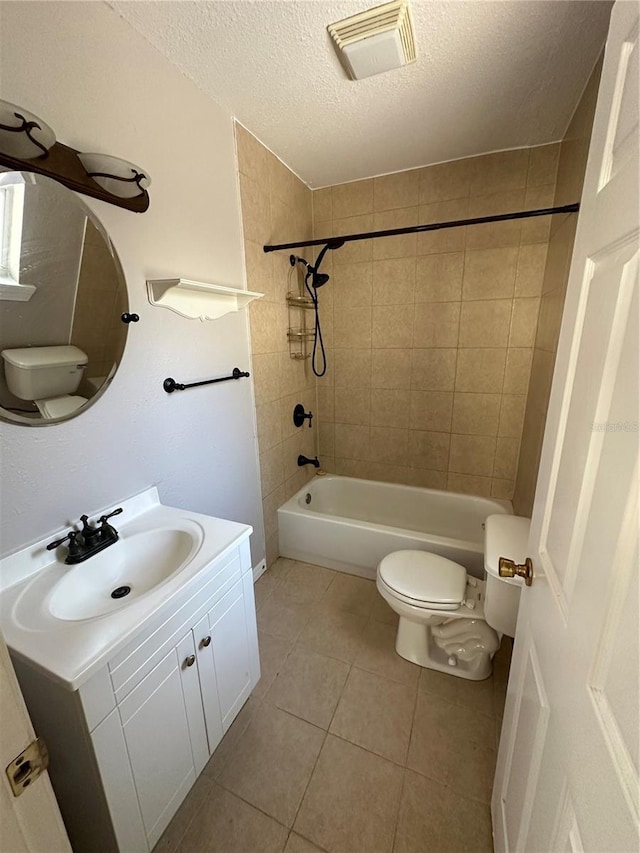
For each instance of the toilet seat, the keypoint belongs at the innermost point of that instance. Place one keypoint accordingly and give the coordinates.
(59, 407)
(423, 579)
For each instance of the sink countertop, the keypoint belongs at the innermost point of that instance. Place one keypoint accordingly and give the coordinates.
(71, 651)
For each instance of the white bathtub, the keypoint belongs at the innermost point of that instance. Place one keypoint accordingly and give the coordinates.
(350, 525)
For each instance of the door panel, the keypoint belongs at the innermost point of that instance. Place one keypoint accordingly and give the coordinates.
(567, 773)
(231, 653)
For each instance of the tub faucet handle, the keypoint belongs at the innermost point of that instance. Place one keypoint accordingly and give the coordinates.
(299, 415)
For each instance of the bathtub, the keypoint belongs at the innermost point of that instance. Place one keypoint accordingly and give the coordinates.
(348, 524)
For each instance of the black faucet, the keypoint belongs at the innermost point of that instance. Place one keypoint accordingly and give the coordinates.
(303, 460)
(88, 541)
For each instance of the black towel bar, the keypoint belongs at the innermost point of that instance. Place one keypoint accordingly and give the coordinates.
(170, 385)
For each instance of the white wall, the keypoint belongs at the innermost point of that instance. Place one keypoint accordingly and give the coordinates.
(103, 88)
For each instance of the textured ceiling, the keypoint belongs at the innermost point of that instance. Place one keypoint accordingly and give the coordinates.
(489, 76)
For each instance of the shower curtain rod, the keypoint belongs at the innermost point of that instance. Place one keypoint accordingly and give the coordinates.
(337, 242)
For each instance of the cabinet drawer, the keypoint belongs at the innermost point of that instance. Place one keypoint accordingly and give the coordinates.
(142, 654)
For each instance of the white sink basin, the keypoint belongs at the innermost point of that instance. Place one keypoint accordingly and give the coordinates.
(121, 573)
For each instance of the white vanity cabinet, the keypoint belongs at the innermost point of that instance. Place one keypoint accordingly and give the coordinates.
(129, 744)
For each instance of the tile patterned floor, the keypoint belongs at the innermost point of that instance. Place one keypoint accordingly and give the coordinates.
(344, 746)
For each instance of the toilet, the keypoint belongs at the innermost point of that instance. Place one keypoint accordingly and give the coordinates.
(449, 620)
(47, 376)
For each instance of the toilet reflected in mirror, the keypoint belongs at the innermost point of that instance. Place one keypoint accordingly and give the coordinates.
(62, 294)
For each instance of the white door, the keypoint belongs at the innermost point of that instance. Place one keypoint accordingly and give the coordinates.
(567, 774)
(30, 823)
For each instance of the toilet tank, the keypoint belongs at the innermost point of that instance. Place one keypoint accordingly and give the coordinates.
(504, 536)
(36, 373)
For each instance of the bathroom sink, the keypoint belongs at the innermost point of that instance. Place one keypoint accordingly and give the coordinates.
(122, 573)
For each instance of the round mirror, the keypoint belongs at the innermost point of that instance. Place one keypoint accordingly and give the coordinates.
(62, 296)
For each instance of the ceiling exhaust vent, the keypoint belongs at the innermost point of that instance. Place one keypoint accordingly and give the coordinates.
(374, 41)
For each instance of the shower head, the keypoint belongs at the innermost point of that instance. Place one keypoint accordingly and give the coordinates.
(319, 278)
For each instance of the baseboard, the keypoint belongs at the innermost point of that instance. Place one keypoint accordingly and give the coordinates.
(259, 570)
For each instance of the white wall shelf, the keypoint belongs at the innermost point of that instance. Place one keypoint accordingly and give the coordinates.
(198, 299)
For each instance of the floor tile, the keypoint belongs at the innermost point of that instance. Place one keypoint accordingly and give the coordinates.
(477, 695)
(226, 824)
(352, 800)
(352, 594)
(273, 762)
(309, 685)
(298, 844)
(281, 620)
(281, 567)
(227, 745)
(452, 745)
(173, 834)
(264, 586)
(378, 654)
(304, 584)
(434, 819)
(336, 634)
(381, 612)
(376, 713)
(273, 653)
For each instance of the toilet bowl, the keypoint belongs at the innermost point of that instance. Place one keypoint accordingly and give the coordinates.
(59, 407)
(450, 621)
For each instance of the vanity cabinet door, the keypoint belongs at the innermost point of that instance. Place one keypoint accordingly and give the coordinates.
(208, 682)
(231, 654)
(156, 729)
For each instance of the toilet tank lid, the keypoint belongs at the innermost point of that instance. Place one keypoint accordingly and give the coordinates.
(505, 536)
(36, 357)
(424, 576)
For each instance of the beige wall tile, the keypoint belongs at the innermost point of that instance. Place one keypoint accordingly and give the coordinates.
(390, 368)
(536, 229)
(352, 406)
(523, 322)
(399, 190)
(392, 326)
(352, 199)
(394, 281)
(351, 441)
(388, 446)
(266, 377)
(518, 366)
(429, 449)
(259, 267)
(543, 164)
(271, 469)
(472, 454)
(445, 181)
(505, 170)
(322, 206)
(439, 277)
(467, 484)
(252, 156)
(352, 368)
(326, 402)
(425, 479)
(476, 414)
(447, 239)
(281, 180)
(360, 250)
(431, 410)
(352, 468)
(352, 328)
(268, 325)
(506, 460)
(433, 369)
(481, 370)
(395, 247)
(269, 422)
(390, 408)
(352, 285)
(512, 415)
(485, 323)
(502, 489)
(530, 269)
(256, 211)
(436, 324)
(489, 273)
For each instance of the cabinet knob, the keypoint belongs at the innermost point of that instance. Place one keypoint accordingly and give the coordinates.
(189, 661)
(205, 641)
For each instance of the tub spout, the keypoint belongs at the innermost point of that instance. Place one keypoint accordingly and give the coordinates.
(303, 460)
